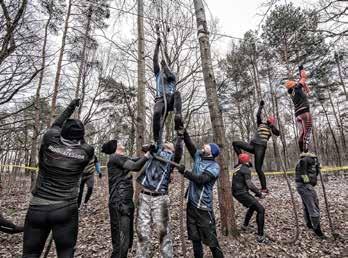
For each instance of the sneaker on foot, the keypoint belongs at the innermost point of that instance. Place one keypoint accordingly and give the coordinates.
(262, 239)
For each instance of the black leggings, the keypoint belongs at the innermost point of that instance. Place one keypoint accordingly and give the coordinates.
(198, 250)
(259, 153)
(40, 220)
(250, 202)
(173, 104)
(7, 226)
(89, 181)
(121, 220)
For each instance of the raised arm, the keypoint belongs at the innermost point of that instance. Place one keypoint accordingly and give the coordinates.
(66, 113)
(170, 76)
(259, 111)
(275, 131)
(135, 165)
(189, 144)
(156, 67)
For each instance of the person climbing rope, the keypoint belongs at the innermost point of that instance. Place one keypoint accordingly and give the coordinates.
(298, 93)
(63, 156)
(121, 206)
(306, 177)
(258, 144)
(241, 184)
(167, 97)
(88, 179)
(153, 207)
(200, 215)
(8, 227)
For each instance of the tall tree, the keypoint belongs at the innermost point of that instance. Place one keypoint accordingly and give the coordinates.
(228, 222)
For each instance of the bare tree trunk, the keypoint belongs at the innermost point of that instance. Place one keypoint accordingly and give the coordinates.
(36, 129)
(59, 67)
(332, 134)
(141, 112)
(228, 223)
(337, 59)
(83, 54)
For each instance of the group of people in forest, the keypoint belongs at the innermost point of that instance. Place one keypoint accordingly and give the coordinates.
(67, 163)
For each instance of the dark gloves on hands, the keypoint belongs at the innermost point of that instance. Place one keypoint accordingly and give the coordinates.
(158, 41)
(300, 68)
(181, 169)
(75, 102)
(100, 175)
(262, 103)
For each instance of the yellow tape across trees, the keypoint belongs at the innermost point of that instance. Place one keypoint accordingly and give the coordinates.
(275, 173)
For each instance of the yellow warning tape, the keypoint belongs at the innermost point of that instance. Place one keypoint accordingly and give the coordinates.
(276, 173)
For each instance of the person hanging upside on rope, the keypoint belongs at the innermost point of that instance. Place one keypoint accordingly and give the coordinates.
(306, 177)
(298, 93)
(153, 207)
(121, 206)
(63, 156)
(258, 144)
(88, 179)
(241, 184)
(8, 227)
(167, 97)
(200, 215)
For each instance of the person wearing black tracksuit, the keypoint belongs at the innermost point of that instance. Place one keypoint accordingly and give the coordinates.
(8, 227)
(63, 156)
(241, 184)
(121, 206)
(88, 179)
(258, 144)
(165, 88)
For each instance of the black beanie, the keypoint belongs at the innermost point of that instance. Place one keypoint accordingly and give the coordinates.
(73, 129)
(109, 147)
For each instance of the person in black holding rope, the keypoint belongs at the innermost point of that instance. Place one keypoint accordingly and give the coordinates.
(258, 144)
(167, 97)
(121, 206)
(8, 227)
(306, 177)
(63, 156)
(88, 179)
(200, 215)
(241, 184)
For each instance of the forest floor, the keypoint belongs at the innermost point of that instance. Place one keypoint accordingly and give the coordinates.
(94, 238)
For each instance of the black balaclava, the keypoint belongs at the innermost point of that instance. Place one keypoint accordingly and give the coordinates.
(109, 147)
(73, 129)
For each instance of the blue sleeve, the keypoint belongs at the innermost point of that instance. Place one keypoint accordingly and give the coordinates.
(213, 170)
(97, 167)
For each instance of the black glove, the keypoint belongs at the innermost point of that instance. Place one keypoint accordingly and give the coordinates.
(181, 169)
(262, 103)
(159, 41)
(75, 102)
(259, 195)
(100, 175)
(300, 68)
(153, 148)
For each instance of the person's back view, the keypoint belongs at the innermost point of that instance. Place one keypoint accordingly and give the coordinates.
(63, 156)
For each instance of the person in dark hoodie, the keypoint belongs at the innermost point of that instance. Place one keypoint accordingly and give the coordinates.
(241, 184)
(258, 144)
(306, 177)
(121, 206)
(8, 227)
(53, 207)
(200, 215)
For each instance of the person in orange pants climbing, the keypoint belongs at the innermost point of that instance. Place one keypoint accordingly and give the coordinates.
(298, 93)
(258, 144)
